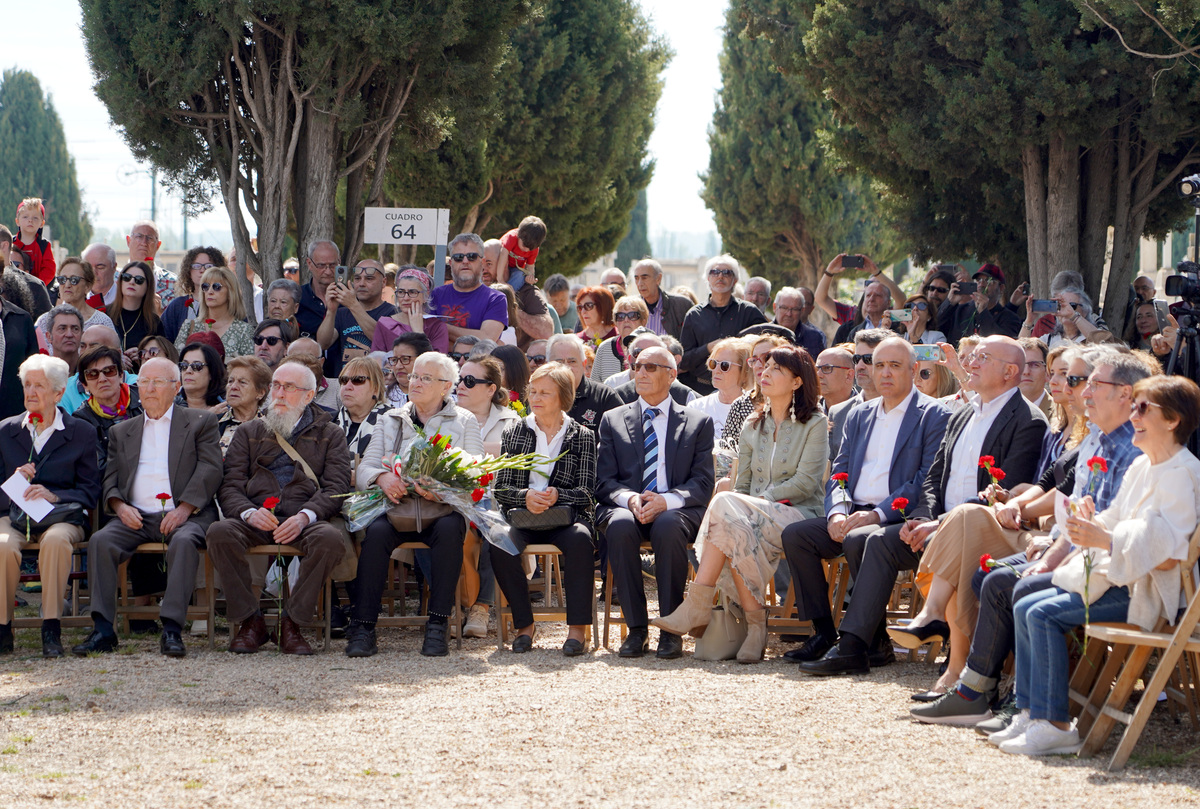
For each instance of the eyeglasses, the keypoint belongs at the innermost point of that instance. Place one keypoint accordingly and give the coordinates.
(466, 256)
(1104, 382)
(409, 293)
(757, 360)
(722, 272)
(195, 366)
(426, 379)
(459, 356)
(587, 306)
(1075, 381)
(469, 381)
(150, 353)
(332, 265)
(619, 316)
(535, 359)
(356, 380)
(156, 383)
(779, 308)
(926, 373)
(92, 374)
(919, 306)
(649, 367)
(16, 262)
(73, 280)
(980, 357)
(135, 279)
(724, 365)
(367, 273)
(403, 359)
(287, 387)
(863, 358)
(1141, 407)
(829, 369)
(143, 237)
(203, 266)
(215, 287)
(1035, 364)
(931, 288)
(271, 341)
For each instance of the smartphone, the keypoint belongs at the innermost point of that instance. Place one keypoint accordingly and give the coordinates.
(967, 287)
(1045, 305)
(852, 263)
(342, 276)
(947, 267)
(928, 353)
(900, 315)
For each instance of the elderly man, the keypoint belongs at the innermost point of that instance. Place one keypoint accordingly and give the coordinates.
(283, 301)
(758, 292)
(612, 276)
(351, 315)
(999, 423)
(982, 312)
(879, 294)
(704, 326)
(104, 264)
(558, 292)
(470, 307)
(271, 340)
(169, 450)
(323, 259)
(295, 457)
(790, 305)
(654, 478)
(592, 399)
(835, 375)
(491, 253)
(666, 310)
(65, 329)
(143, 244)
(638, 341)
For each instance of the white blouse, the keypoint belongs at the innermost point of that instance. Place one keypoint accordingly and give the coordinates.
(548, 446)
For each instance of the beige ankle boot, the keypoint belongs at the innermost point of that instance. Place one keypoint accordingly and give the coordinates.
(756, 637)
(693, 615)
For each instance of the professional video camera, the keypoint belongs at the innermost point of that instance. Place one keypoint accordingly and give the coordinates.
(1186, 284)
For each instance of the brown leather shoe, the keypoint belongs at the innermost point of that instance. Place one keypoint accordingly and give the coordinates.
(251, 635)
(291, 642)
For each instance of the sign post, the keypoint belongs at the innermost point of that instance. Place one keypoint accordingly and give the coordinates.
(417, 226)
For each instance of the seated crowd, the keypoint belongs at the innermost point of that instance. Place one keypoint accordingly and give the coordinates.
(921, 439)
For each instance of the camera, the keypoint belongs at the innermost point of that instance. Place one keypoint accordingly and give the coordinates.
(1189, 186)
(1186, 284)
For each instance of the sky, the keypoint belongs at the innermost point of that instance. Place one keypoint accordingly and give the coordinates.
(116, 189)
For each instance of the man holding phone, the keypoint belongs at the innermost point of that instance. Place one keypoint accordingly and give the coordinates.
(985, 313)
(353, 305)
(876, 298)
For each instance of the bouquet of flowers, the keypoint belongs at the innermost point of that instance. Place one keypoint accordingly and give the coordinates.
(724, 454)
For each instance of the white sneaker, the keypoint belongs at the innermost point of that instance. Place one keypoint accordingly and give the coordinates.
(477, 622)
(1043, 739)
(200, 627)
(1015, 728)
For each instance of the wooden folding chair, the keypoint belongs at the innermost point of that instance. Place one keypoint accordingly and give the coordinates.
(784, 619)
(126, 609)
(554, 604)
(391, 593)
(325, 605)
(74, 578)
(906, 588)
(618, 617)
(1133, 647)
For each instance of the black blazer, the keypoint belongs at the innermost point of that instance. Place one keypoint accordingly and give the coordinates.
(674, 309)
(1014, 440)
(65, 466)
(687, 451)
(574, 475)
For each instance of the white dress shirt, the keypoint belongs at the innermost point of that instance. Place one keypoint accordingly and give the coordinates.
(659, 424)
(548, 446)
(40, 439)
(152, 476)
(963, 482)
(873, 484)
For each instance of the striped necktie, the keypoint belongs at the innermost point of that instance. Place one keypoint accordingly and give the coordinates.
(650, 442)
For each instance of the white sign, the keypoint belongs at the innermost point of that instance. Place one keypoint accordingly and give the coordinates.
(406, 225)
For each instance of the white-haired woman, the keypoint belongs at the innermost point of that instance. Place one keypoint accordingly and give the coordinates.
(1073, 320)
(629, 313)
(430, 410)
(223, 312)
(57, 454)
(412, 313)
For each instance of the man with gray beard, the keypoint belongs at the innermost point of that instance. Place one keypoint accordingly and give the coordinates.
(294, 455)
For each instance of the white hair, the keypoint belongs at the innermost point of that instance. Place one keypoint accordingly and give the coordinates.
(725, 260)
(568, 339)
(310, 378)
(55, 368)
(145, 223)
(446, 366)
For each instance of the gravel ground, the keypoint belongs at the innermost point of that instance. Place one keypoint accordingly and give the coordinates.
(489, 728)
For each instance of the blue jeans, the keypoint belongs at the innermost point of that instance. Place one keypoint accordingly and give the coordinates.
(1041, 621)
(993, 638)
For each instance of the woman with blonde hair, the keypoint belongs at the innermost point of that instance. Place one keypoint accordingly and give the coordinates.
(221, 312)
(729, 364)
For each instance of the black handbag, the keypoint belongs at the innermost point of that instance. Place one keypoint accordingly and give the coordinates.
(553, 517)
(72, 513)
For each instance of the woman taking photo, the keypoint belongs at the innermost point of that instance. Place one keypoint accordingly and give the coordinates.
(75, 280)
(569, 481)
(221, 312)
(934, 379)
(782, 458)
(412, 313)
(916, 331)
(629, 313)
(729, 364)
(185, 305)
(595, 308)
(134, 306)
(203, 378)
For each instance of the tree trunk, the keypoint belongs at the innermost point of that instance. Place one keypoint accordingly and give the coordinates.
(315, 178)
(1035, 218)
(1062, 207)
(1096, 198)
(1129, 222)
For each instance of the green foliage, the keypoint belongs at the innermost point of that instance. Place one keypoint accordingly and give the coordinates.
(34, 161)
(781, 204)
(636, 244)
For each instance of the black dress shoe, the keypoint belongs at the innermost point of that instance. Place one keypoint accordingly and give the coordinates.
(522, 643)
(670, 646)
(6, 639)
(814, 648)
(636, 644)
(360, 641)
(913, 637)
(881, 656)
(51, 643)
(435, 640)
(834, 662)
(572, 648)
(95, 642)
(170, 643)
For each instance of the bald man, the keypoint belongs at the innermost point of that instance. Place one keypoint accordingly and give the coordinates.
(76, 394)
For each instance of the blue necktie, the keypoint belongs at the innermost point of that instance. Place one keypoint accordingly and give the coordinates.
(650, 441)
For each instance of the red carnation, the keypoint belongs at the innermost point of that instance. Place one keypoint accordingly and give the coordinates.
(840, 477)
(163, 496)
(35, 419)
(270, 503)
(986, 562)
(986, 461)
(513, 396)
(209, 321)
(899, 504)
(997, 474)
(477, 495)
(1097, 464)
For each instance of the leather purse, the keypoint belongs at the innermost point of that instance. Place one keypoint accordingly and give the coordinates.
(72, 513)
(553, 517)
(725, 634)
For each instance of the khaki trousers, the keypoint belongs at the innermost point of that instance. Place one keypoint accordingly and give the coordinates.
(54, 565)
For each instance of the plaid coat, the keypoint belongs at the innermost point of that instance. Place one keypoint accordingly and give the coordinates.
(574, 475)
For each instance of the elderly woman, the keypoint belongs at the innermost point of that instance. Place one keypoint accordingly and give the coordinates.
(729, 364)
(595, 308)
(246, 387)
(569, 481)
(185, 305)
(743, 406)
(1073, 320)
(202, 374)
(629, 314)
(1135, 546)
(405, 350)
(110, 400)
(134, 307)
(923, 313)
(782, 458)
(361, 383)
(221, 312)
(75, 280)
(56, 454)
(429, 409)
(412, 313)
(282, 301)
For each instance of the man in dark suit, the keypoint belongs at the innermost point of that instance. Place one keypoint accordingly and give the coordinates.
(999, 422)
(889, 445)
(168, 450)
(654, 479)
(666, 310)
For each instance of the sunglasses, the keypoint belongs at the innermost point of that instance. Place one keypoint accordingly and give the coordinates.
(271, 341)
(73, 280)
(587, 306)
(135, 279)
(1075, 381)
(150, 353)
(466, 256)
(722, 272)
(469, 381)
(215, 287)
(829, 369)
(863, 358)
(357, 380)
(724, 365)
(939, 290)
(369, 274)
(649, 367)
(92, 374)
(619, 316)
(195, 366)
(758, 360)
(459, 356)
(926, 373)
(535, 359)
(1138, 407)
(920, 306)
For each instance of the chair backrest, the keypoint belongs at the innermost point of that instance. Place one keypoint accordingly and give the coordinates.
(1187, 570)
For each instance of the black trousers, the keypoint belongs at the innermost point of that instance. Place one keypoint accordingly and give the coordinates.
(575, 542)
(805, 545)
(445, 540)
(669, 536)
(875, 558)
